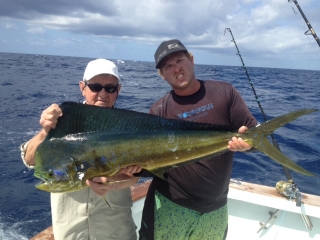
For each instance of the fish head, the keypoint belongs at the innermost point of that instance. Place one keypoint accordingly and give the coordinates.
(60, 178)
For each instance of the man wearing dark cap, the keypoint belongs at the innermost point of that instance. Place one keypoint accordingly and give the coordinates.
(192, 202)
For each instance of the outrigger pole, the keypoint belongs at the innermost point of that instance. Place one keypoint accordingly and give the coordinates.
(274, 141)
(313, 33)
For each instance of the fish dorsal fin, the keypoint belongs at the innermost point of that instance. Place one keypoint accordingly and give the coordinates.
(78, 118)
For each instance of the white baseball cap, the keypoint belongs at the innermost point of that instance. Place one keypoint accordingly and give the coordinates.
(100, 66)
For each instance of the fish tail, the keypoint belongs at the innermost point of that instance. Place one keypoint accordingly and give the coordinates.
(273, 124)
(258, 139)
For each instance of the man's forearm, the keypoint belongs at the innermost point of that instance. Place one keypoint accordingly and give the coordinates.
(33, 145)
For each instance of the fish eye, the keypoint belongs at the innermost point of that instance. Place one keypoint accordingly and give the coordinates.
(50, 173)
(58, 173)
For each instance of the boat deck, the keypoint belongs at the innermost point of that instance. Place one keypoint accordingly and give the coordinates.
(256, 211)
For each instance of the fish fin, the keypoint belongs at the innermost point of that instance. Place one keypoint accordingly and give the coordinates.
(273, 124)
(263, 145)
(92, 118)
(159, 172)
(260, 142)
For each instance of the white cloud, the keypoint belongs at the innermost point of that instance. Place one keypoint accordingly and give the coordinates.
(36, 30)
(259, 26)
(10, 26)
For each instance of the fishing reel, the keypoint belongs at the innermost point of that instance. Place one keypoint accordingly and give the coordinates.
(289, 189)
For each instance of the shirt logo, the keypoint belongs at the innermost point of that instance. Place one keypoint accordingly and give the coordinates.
(198, 110)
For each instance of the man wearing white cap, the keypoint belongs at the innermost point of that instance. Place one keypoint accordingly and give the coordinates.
(85, 214)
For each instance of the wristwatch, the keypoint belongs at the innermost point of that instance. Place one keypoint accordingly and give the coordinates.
(23, 149)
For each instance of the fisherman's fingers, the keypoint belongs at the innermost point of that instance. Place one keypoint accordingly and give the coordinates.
(238, 145)
(242, 129)
(47, 125)
(130, 170)
(100, 188)
(49, 117)
(54, 110)
(120, 177)
(100, 180)
(137, 169)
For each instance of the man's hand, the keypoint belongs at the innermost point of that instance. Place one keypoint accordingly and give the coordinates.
(130, 170)
(123, 179)
(237, 144)
(49, 117)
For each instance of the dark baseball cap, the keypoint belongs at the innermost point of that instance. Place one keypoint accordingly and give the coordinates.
(166, 48)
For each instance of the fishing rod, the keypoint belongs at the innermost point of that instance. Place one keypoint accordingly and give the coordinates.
(313, 33)
(274, 141)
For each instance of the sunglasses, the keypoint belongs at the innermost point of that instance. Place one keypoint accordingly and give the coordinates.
(96, 87)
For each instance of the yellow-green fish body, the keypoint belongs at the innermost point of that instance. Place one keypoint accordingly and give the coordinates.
(92, 141)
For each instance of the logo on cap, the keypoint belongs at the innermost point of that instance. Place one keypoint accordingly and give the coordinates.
(163, 53)
(166, 48)
(173, 45)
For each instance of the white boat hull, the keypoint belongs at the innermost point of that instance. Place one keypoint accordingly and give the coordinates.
(249, 206)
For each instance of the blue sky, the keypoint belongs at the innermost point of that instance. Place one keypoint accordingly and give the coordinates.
(268, 32)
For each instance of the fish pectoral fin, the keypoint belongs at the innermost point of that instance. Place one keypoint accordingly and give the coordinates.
(263, 145)
(159, 173)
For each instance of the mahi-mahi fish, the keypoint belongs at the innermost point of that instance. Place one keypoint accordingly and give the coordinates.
(91, 141)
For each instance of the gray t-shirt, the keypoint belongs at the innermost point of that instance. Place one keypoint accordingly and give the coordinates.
(202, 186)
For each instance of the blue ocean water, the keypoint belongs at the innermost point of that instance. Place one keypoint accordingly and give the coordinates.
(30, 83)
